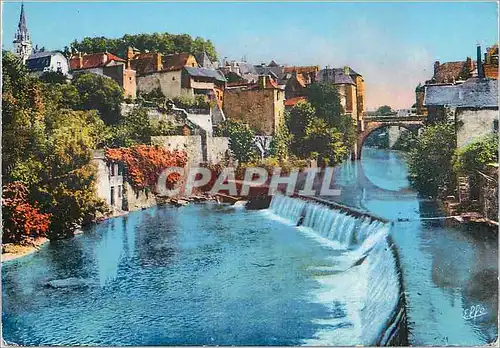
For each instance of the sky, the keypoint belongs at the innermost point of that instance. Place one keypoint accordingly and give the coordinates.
(392, 44)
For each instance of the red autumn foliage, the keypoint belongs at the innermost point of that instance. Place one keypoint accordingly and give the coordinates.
(145, 164)
(21, 220)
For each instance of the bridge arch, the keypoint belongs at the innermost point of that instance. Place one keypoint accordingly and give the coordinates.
(371, 125)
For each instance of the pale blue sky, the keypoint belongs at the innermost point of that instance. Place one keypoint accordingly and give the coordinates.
(393, 45)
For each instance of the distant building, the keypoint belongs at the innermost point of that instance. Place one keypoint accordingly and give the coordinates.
(260, 105)
(473, 105)
(454, 73)
(291, 102)
(297, 79)
(351, 87)
(23, 47)
(49, 61)
(177, 76)
(109, 65)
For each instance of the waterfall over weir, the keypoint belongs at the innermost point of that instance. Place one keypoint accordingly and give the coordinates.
(363, 282)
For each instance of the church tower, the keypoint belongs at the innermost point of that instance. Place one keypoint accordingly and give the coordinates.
(22, 40)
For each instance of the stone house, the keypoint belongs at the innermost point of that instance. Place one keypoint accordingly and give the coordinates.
(109, 181)
(451, 73)
(47, 61)
(109, 65)
(178, 75)
(297, 79)
(351, 87)
(259, 105)
(473, 105)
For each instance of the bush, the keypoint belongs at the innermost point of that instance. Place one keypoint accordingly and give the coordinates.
(22, 220)
(241, 140)
(430, 161)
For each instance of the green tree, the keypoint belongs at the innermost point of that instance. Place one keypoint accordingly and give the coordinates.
(384, 110)
(23, 125)
(164, 43)
(475, 158)
(430, 161)
(99, 93)
(297, 120)
(406, 141)
(241, 140)
(325, 99)
(53, 77)
(325, 143)
(280, 145)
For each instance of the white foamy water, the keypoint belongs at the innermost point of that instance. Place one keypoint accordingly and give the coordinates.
(363, 280)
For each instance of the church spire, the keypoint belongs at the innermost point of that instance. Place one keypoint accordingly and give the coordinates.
(22, 40)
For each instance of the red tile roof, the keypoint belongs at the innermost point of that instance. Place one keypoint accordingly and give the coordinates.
(451, 71)
(294, 101)
(94, 60)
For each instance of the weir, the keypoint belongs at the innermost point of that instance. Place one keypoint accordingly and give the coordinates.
(372, 260)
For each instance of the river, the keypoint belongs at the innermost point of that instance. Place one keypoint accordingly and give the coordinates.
(446, 269)
(218, 275)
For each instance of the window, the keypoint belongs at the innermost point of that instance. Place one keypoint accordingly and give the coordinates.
(112, 196)
(112, 169)
(119, 191)
(173, 78)
(495, 126)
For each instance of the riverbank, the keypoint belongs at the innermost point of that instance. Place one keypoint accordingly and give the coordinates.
(11, 251)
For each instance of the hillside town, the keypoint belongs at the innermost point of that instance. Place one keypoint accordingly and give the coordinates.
(258, 95)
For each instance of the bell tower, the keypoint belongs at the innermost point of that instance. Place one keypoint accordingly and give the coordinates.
(22, 40)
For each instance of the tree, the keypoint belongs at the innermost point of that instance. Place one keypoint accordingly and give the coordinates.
(325, 99)
(384, 110)
(23, 125)
(325, 143)
(135, 127)
(406, 141)
(99, 93)
(430, 161)
(297, 120)
(475, 158)
(241, 140)
(280, 145)
(53, 77)
(164, 43)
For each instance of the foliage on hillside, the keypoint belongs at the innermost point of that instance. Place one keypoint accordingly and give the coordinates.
(145, 163)
(164, 43)
(47, 148)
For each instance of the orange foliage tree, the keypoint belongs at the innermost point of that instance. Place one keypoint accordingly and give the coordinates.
(22, 220)
(145, 163)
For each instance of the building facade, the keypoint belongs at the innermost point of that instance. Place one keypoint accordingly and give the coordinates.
(260, 105)
(109, 65)
(42, 62)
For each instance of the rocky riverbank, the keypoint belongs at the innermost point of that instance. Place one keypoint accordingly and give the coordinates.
(11, 251)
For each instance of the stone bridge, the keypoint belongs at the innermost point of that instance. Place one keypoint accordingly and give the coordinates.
(373, 123)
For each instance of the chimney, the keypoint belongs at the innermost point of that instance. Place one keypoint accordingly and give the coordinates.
(158, 64)
(480, 69)
(130, 56)
(262, 81)
(346, 70)
(80, 60)
(436, 67)
(469, 65)
(104, 58)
